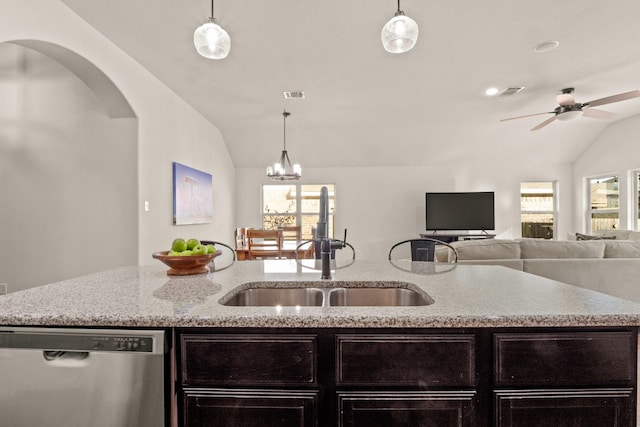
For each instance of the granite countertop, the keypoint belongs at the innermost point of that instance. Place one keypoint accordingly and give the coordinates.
(465, 296)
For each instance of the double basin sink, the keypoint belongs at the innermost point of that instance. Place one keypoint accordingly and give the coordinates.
(318, 294)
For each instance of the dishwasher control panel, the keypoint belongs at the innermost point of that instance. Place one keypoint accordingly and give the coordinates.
(123, 343)
(61, 341)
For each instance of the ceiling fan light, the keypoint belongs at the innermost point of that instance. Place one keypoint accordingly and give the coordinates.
(399, 34)
(211, 40)
(569, 115)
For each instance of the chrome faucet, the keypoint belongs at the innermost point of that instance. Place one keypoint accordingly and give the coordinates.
(323, 244)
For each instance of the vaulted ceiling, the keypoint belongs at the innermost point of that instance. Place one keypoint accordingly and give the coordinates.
(367, 107)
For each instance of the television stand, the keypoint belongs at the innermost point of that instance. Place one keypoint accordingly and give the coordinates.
(448, 238)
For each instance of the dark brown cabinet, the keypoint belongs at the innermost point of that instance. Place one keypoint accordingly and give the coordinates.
(442, 409)
(250, 408)
(320, 377)
(572, 407)
(578, 378)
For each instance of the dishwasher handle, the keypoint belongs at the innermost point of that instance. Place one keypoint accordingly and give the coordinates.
(65, 357)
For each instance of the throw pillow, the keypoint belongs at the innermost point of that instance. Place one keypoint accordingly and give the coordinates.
(580, 236)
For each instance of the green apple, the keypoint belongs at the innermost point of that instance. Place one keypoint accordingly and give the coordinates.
(173, 253)
(211, 249)
(192, 243)
(179, 245)
(200, 250)
(186, 252)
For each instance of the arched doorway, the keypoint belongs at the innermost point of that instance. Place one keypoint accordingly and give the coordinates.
(68, 167)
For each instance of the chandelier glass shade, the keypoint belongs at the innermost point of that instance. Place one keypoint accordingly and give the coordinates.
(283, 170)
(400, 33)
(211, 40)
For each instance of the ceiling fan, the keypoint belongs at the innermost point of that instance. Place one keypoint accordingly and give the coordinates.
(569, 109)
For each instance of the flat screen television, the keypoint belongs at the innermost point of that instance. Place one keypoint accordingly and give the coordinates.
(460, 211)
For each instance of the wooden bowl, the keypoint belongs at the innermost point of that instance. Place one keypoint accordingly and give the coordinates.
(186, 265)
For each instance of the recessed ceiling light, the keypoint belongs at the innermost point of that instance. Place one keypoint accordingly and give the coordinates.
(547, 46)
(491, 91)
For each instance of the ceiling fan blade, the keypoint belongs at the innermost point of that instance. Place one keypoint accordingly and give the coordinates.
(598, 114)
(528, 115)
(543, 124)
(614, 98)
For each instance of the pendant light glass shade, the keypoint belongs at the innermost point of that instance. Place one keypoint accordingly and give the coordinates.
(211, 40)
(283, 170)
(400, 34)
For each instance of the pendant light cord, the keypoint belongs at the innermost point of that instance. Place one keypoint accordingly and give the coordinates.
(213, 15)
(284, 133)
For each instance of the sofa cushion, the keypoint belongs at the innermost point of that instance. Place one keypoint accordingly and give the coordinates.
(531, 249)
(516, 264)
(487, 249)
(622, 249)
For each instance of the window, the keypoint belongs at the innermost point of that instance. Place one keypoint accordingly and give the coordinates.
(538, 209)
(604, 207)
(295, 204)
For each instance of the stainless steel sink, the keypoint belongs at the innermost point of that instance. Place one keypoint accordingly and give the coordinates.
(257, 297)
(340, 294)
(366, 297)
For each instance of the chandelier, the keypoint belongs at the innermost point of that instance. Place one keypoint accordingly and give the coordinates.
(283, 170)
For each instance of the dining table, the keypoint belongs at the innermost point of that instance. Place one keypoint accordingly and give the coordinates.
(288, 250)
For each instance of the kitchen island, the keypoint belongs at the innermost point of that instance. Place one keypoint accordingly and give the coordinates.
(495, 346)
(466, 296)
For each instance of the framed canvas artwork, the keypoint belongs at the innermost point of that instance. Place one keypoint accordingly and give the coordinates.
(192, 195)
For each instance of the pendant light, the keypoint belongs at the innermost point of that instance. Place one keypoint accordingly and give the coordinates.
(211, 40)
(400, 34)
(283, 170)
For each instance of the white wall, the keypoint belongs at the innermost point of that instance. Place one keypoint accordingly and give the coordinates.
(168, 130)
(383, 205)
(615, 151)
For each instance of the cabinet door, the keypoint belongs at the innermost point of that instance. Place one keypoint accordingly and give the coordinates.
(402, 409)
(250, 408)
(574, 408)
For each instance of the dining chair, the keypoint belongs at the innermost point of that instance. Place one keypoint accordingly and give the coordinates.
(240, 235)
(264, 244)
(426, 249)
(291, 232)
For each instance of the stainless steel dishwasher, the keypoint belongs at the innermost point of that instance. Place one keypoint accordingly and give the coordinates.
(81, 377)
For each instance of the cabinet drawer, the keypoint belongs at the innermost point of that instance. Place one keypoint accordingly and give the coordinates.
(250, 408)
(416, 360)
(565, 359)
(444, 409)
(248, 360)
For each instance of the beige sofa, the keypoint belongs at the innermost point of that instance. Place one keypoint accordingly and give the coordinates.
(607, 266)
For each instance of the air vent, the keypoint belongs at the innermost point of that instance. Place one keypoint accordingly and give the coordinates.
(512, 90)
(293, 94)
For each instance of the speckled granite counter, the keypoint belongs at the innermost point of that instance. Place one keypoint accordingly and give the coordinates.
(466, 296)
